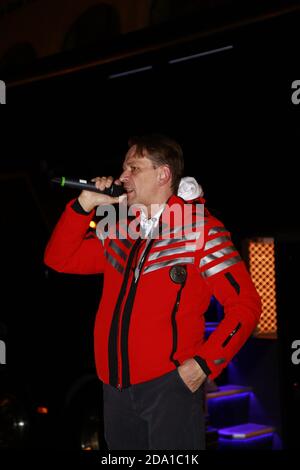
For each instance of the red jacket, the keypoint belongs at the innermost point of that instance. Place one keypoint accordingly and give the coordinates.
(151, 315)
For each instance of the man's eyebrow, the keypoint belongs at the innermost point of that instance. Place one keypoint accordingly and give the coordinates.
(129, 163)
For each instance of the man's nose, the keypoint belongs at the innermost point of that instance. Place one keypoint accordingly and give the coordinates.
(124, 176)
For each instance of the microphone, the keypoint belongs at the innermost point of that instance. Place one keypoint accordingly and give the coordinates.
(78, 183)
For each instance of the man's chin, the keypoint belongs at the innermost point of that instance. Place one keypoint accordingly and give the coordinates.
(131, 198)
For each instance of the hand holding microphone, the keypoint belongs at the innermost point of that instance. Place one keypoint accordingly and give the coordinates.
(99, 191)
(108, 193)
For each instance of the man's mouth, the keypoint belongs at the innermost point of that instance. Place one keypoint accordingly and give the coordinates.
(128, 190)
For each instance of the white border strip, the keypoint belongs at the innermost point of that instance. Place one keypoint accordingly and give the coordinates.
(201, 54)
(130, 72)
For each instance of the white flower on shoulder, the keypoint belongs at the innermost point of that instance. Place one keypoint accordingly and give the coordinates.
(189, 189)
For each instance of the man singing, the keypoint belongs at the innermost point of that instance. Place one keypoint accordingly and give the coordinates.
(158, 281)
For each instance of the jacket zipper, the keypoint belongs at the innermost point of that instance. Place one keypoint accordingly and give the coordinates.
(127, 310)
(174, 325)
(229, 337)
(131, 293)
(114, 372)
(138, 269)
(119, 335)
(119, 386)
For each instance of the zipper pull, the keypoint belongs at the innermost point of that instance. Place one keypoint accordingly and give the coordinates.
(231, 335)
(138, 269)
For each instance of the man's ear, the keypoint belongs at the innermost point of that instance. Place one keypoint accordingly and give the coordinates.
(164, 175)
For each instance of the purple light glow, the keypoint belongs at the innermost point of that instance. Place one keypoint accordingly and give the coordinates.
(210, 326)
(246, 440)
(235, 396)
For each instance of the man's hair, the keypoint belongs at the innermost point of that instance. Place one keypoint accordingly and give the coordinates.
(161, 151)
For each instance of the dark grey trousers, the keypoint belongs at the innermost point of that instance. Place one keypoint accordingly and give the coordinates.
(158, 414)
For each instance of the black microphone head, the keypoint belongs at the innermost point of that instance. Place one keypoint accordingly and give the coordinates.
(116, 190)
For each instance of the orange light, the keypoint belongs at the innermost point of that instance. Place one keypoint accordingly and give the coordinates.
(262, 270)
(42, 410)
(92, 224)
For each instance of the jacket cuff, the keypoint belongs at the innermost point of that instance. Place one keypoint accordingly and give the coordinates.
(202, 363)
(77, 207)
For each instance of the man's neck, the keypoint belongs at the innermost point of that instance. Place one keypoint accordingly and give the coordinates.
(154, 209)
(157, 206)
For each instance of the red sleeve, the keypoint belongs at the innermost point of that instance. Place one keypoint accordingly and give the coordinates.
(71, 249)
(226, 276)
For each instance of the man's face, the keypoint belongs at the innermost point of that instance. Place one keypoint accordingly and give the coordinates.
(140, 178)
